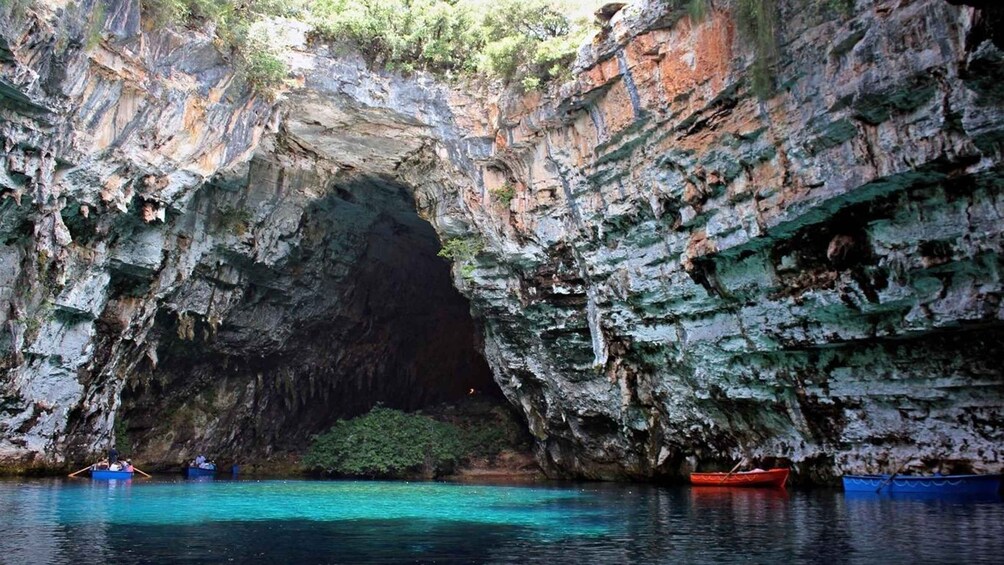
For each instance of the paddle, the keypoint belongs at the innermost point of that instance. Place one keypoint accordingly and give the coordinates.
(141, 472)
(74, 474)
(729, 474)
(891, 477)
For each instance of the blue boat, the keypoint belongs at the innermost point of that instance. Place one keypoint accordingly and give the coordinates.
(193, 472)
(924, 484)
(105, 474)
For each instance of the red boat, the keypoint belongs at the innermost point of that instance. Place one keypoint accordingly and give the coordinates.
(756, 478)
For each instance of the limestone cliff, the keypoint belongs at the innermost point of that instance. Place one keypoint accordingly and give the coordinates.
(700, 274)
(667, 270)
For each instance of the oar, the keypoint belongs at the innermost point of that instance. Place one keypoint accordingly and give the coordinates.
(74, 474)
(729, 474)
(141, 472)
(891, 477)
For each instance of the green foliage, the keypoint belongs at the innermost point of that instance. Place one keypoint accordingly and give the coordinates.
(166, 12)
(528, 38)
(386, 443)
(504, 193)
(697, 10)
(243, 28)
(123, 443)
(190, 12)
(463, 250)
(95, 25)
(530, 83)
(400, 34)
(237, 220)
(484, 440)
(758, 21)
(524, 41)
(263, 70)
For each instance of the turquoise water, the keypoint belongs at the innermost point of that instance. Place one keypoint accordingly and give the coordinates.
(80, 522)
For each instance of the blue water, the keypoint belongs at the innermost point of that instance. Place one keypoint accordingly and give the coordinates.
(84, 522)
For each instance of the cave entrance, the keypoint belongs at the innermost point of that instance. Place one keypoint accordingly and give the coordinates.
(351, 309)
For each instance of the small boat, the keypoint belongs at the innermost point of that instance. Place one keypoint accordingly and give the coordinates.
(756, 478)
(192, 472)
(924, 484)
(106, 474)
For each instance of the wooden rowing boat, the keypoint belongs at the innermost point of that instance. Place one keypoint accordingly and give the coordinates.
(106, 475)
(757, 478)
(193, 472)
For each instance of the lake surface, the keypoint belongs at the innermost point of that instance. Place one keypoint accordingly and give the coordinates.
(306, 522)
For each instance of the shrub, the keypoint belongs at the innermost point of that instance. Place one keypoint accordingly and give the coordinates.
(401, 34)
(484, 440)
(167, 12)
(263, 70)
(236, 220)
(243, 28)
(511, 40)
(525, 42)
(386, 443)
(462, 250)
(504, 193)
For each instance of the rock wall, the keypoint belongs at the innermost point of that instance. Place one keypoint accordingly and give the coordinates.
(668, 271)
(104, 144)
(701, 275)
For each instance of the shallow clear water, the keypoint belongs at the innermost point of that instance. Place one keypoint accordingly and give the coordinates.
(82, 522)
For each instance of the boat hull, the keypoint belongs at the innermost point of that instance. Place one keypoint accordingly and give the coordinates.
(192, 472)
(106, 475)
(772, 478)
(938, 484)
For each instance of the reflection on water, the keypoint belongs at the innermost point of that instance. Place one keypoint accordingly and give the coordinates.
(85, 522)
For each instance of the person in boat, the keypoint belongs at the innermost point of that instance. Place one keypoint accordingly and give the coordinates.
(200, 460)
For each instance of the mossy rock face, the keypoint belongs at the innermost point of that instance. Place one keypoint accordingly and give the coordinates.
(832, 135)
(914, 93)
(985, 75)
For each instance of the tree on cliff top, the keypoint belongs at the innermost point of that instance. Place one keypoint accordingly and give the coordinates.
(502, 39)
(527, 41)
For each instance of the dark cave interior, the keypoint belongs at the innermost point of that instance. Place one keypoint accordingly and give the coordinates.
(361, 312)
